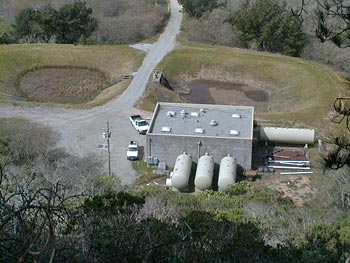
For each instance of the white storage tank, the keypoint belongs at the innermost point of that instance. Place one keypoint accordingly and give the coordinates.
(204, 173)
(227, 172)
(181, 173)
(287, 135)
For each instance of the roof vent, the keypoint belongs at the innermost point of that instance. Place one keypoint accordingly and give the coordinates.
(234, 132)
(194, 114)
(166, 129)
(202, 110)
(183, 112)
(171, 114)
(236, 116)
(213, 123)
(199, 130)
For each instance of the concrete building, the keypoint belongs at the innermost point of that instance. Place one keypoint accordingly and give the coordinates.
(198, 129)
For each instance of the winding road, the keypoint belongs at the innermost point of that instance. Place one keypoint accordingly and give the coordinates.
(81, 130)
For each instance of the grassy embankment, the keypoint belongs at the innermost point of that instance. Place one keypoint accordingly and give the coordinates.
(300, 91)
(113, 61)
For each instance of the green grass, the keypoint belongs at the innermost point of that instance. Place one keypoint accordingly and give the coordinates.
(146, 173)
(114, 61)
(304, 89)
(154, 93)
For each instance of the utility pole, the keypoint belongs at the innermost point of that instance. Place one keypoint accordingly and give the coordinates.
(106, 135)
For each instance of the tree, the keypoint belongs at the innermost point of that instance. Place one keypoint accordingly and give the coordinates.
(6, 39)
(326, 243)
(40, 189)
(73, 22)
(33, 211)
(333, 20)
(69, 24)
(197, 8)
(284, 34)
(271, 26)
(27, 25)
(48, 23)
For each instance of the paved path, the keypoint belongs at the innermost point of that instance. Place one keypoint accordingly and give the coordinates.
(81, 130)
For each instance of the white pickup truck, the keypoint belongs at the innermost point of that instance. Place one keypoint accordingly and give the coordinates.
(140, 124)
(132, 153)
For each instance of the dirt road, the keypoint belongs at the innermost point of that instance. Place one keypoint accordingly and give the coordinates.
(81, 130)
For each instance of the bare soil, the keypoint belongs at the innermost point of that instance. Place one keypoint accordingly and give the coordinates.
(227, 93)
(215, 86)
(62, 85)
(296, 187)
(299, 188)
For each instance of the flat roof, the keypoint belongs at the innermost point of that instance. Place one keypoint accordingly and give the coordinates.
(203, 120)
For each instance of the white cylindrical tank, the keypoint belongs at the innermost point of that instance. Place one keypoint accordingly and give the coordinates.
(287, 135)
(227, 172)
(182, 170)
(204, 173)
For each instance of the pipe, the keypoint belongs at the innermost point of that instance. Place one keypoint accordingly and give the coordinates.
(149, 147)
(287, 161)
(199, 143)
(295, 173)
(289, 167)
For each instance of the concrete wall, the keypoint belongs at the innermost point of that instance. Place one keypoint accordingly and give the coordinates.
(166, 148)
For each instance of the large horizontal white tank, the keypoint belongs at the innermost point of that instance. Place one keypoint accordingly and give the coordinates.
(227, 173)
(287, 135)
(204, 173)
(182, 170)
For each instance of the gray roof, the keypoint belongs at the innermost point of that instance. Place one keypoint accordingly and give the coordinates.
(199, 120)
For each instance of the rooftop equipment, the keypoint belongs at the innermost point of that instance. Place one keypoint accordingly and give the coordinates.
(227, 172)
(166, 129)
(171, 114)
(213, 123)
(287, 135)
(236, 116)
(204, 173)
(181, 173)
(234, 132)
(199, 130)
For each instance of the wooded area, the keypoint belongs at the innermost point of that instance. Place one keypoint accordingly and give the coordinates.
(88, 22)
(58, 208)
(274, 25)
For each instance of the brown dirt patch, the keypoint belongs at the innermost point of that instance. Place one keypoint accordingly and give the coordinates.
(62, 85)
(299, 188)
(296, 187)
(215, 86)
(227, 93)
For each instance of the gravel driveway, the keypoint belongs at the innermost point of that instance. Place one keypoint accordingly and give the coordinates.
(81, 130)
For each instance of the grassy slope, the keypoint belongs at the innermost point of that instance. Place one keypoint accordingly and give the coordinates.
(113, 60)
(312, 87)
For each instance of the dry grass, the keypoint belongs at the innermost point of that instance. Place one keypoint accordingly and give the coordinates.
(301, 91)
(113, 61)
(62, 85)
